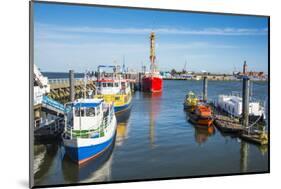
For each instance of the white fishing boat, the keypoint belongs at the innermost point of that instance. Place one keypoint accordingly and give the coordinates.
(232, 104)
(90, 128)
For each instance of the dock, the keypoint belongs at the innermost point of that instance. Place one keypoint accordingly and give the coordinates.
(49, 131)
(52, 94)
(231, 125)
(60, 88)
(228, 126)
(257, 138)
(240, 127)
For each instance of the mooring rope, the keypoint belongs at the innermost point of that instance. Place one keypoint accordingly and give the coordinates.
(254, 123)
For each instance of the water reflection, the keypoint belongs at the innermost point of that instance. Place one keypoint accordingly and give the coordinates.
(154, 118)
(263, 149)
(244, 150)
(45, 155)
(154, 101)
(202, 133)
(122, 132)
(122, 127)
(98, 169)
(74, 173)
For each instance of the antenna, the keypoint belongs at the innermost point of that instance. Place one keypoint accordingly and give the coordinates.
(85, 83)
(184, 68)
(123, 67)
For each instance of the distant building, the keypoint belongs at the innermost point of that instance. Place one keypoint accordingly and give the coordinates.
(255, 74)
(252, 74)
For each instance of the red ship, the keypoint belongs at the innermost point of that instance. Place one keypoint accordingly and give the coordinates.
(152, 82)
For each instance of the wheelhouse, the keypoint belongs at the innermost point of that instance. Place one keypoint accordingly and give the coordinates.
(85, 114)
(112, 86)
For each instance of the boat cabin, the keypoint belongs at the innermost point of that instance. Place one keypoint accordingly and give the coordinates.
(86, 114)
(203, 110)
(106, 86)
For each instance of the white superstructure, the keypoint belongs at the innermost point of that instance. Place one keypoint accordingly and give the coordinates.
(90, 127)
(91, 121)
(41, 86)
(233, 105)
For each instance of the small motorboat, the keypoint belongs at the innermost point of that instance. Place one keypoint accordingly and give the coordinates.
(190, 101)
(201, 115)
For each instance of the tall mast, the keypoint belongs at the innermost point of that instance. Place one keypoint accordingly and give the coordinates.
(152, 52)
(85, 84)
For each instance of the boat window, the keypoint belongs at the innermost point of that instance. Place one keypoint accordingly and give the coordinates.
(110, 84)
(115, 84)
(103, 84)
(90, 112)
(77, 112)
(117, 98)
(82, 112)
(98, 110)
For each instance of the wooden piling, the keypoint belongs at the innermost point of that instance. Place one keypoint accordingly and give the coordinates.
(205, 88)
(71, 85)
(245, 101)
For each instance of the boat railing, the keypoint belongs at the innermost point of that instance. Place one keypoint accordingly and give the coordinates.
(108, 118)
(64, 80)
(236, 93)
(91, 132)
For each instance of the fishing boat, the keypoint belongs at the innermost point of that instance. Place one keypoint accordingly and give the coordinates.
(112, 87)
(90, 128)
(190, 101)
(152, 81)
(202, 115)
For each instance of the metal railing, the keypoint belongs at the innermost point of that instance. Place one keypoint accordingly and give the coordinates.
(90, 132)
(64, 80)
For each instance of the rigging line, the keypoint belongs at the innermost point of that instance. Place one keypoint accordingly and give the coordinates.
(254, 123)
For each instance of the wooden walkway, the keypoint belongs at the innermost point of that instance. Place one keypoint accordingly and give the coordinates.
(232, 125)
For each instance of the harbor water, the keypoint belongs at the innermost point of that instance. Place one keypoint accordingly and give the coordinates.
(156, 140)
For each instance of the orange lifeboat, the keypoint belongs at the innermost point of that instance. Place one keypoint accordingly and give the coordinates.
(202, 115)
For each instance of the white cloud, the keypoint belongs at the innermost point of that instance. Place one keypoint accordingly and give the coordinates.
(172, 31)
(59, 48)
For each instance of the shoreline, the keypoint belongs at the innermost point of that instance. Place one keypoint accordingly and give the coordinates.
(212, 79)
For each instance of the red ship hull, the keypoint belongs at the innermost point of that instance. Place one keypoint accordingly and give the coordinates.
(152, 84)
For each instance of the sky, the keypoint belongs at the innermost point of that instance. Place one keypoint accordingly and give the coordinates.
(83, 37)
